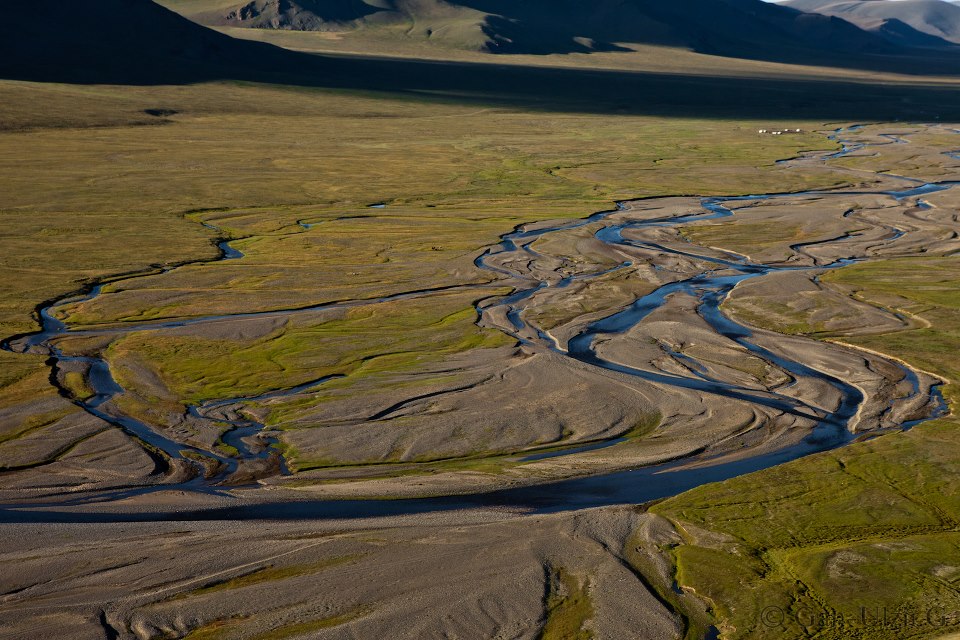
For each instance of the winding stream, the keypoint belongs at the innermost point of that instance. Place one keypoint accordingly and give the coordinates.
(709, 289)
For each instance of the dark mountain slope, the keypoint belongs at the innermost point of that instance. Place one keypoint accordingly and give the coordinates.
(756, 29)
(902, 34)
(138, 42)
(122, 41)
(935, 18)
(749, 28)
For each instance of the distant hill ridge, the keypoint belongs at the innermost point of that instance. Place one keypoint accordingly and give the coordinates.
(726, 27)
(141, 42)
(912, 22)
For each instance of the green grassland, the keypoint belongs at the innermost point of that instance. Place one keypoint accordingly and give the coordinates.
(318, 155)
(269, 574)
(873, 526)
(568, 608)
(927, 288)
(107, 190)
(362, 342)
(224, 629)
(826, 546)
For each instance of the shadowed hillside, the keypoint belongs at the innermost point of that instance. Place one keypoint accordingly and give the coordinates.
(740, 28)
(936, 19)
(121, 41)
(139, 42)
(748, 28)
(899, 32)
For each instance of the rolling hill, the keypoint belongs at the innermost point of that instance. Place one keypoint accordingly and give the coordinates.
(937, 20)
(740, 28)
(140, 42)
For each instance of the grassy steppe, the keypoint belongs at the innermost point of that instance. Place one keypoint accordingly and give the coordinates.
(363, 342)
(104, 189)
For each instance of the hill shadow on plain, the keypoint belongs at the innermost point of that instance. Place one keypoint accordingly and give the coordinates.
(154, 46)
(640, 93)
(548, 89)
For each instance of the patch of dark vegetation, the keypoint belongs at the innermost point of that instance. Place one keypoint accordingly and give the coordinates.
(160, 113)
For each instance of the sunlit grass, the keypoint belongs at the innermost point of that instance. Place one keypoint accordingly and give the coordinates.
(872, 527)
(568, 608)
